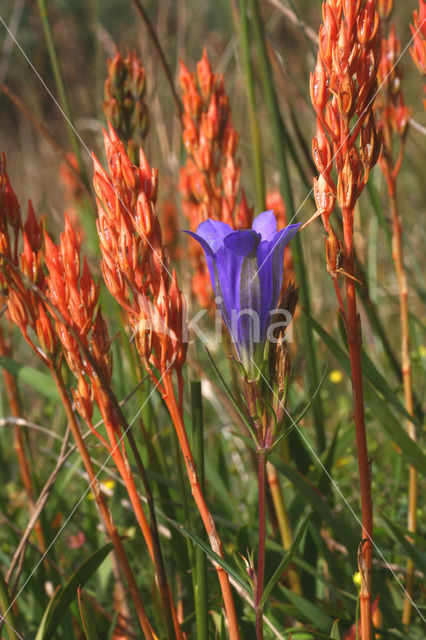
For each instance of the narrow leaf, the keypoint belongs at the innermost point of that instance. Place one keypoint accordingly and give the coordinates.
(63, 599)
(418, 558)
(44, 621)
(8, 618)
(308, 610)
(86, 619)
(335, 632)
(38, 380)
(286, 559)
(370, 370)
(230, 395)
(212, 555)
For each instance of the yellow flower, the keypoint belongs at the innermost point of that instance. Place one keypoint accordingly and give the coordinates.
(336, 376)
(357, 579)
(422, 351)
(107, 486)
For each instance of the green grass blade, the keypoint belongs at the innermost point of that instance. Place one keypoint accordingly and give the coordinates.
(38, 380)
(200, 573)
(86, 619)
(418, 558)
(309, 611)
(212, 555)
(63, 598)
(8, 618)
(286, 559)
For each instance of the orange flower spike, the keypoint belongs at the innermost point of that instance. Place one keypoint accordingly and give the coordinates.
(17, 310)
(318, 86)
(148, 178)
(418, 29)
(100, 346)
(30, 262)
(192, 102)
(69, 248)
(45, 331)
(83, 399)
(205, 75)
(384, 8)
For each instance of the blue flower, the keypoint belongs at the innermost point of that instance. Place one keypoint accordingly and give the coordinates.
(246, 271)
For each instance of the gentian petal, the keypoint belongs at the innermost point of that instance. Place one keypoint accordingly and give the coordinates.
(229, 261)
(242, 242)
(272, 263)
(213, 232)
(210, 255)
(245, 310)
(266, 225)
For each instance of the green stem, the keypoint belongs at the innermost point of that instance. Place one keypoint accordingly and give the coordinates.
(200, 573)
(256, 148)
(282, 145)
(60, 85)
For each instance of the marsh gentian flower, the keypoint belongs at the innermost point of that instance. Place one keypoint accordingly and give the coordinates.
(246, 272)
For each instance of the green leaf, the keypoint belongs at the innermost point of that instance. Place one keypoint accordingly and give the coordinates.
(393, 428)
(418, 558)
(335, 632)
(286, 559)
(65, 595)
(391, 425)
(44, 621)
(86, 619)
(10, 623)
(305, 410)
(231, 395)
(212, 555)
(308, 610)
(372, 374)
(40, 381)
(339, 524)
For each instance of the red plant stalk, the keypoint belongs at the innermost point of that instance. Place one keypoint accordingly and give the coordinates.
(260, 573)
(23, 285)
(136, 271)
(394, 118)
(210, 179)
(73, 293)
(343, 88)
(104, 510)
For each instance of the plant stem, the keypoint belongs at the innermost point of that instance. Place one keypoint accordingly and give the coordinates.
(200, 573)
(60, 85)
(353, 332)
(215, 542)
(260, 572)
(103, 508)
(397, 254)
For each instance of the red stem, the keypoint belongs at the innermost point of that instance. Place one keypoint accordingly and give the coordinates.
(354, 343)
(215, 541)
(260, 576)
